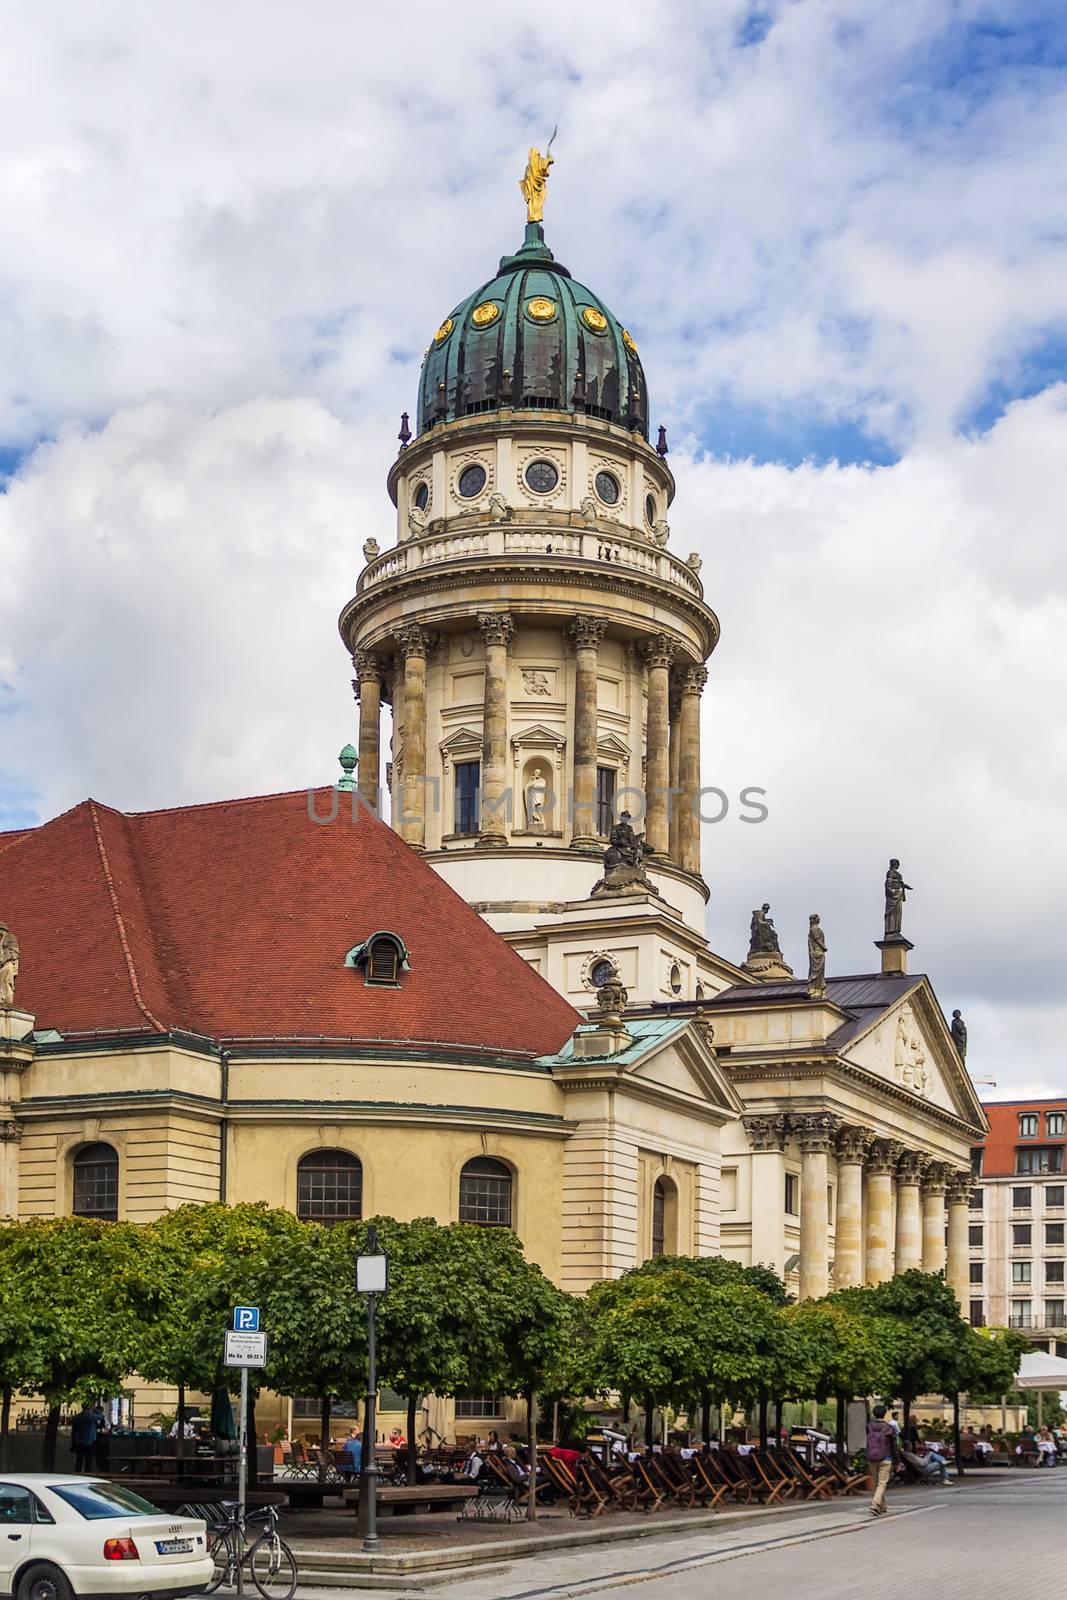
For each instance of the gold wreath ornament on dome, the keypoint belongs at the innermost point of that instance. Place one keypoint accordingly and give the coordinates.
(484, 314)
(594, 319)
(628, 342)
(443, 331)
(541, 308)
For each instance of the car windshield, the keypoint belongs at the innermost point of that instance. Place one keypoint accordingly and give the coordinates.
(95, 1501)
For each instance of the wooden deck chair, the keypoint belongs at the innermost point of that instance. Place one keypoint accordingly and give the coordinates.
(564, 1482)
(651, 1490)
(512, 1489)
(678, 1474)
(711, 1486)
(742, 1488)
(775, 1480)
(812, 1487)
(614, 1485)
(849, 1479)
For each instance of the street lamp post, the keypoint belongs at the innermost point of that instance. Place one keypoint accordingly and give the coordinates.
(372, 1280)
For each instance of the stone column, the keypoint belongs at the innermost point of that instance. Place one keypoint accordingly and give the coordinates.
(958, 1266)
(766, 1136)
(686, 803)
(881, 1165)
(368, 686)
(815, 1135)
(496, 629)
(909, 1251)
(586, 633)
(852, 1147)
(674, 708)
(935, 1179)
(658, 653)
(414, 645)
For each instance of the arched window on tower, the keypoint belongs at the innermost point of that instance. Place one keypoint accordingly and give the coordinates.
(329, 1187)
(485, 1193)
(96, 1183)
(383, 957)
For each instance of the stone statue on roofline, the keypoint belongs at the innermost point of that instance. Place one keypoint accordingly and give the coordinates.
(894, 899)
(816, 957)
(624, 862)
(9, 965)
(958, 1030)
(764, 959)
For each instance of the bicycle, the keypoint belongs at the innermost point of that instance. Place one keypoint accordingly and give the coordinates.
(268, 1558)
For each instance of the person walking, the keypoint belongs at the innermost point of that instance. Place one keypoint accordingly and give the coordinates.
(883, 1447)
(83, 1438)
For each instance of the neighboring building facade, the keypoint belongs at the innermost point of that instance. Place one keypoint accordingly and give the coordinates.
(1018, 1221)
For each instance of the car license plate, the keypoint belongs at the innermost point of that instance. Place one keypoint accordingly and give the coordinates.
(174, 1547)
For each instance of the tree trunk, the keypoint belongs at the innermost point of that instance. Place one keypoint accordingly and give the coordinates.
(5, 1424)
(413, 1449)
(531, 1451)
(777, 1424)
(763, 1419)
(705, 1418)
(907, 1412)
(326, 1405)
(251, 1441)
(51, 1439)
(179, 1437)
(842, 1401)
(650, 1436)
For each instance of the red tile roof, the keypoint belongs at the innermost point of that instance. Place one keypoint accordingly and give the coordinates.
(233, 921)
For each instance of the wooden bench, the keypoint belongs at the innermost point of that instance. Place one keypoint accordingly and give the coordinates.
(405, 1500)
(306, 1493)
(166, 1493)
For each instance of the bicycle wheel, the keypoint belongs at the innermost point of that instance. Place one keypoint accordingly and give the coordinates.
(273, 1567)
(220, 1549)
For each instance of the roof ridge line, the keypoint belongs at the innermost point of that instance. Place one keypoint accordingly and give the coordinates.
(120, 923)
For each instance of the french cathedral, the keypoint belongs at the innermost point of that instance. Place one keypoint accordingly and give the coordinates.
(472, 979)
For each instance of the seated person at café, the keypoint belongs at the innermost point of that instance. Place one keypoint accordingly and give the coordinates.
(352, 1454)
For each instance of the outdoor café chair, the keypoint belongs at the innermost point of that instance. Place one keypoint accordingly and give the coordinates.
(613, 1486)
(564, 1482)
(651, 1491)
(712, 1487)
(679, 1476)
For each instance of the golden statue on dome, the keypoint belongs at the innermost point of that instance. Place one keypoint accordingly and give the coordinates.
(534, 181)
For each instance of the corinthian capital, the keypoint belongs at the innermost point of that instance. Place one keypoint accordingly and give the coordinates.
(815, 1131)
(691, 680)
(960, 1184)
(766, 1133)
(496, 627)
(370, 668)
(587, 632)
(935, 1178)
(884, 1155)
(911, 1166)
(413, 640)
(10, 1131)
(658, 651)
(853, 1144)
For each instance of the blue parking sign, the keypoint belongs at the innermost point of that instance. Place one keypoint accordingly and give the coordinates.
(246, 1319)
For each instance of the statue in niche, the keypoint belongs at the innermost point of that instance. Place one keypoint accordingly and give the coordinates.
(9, 965)
(537, 801)
(894, 899)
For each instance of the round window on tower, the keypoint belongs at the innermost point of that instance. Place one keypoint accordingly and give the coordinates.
(676, 979)
(602, 971)
(471, 481)
(422, 496)
(541, 476)
(606, 485)
(650, 510)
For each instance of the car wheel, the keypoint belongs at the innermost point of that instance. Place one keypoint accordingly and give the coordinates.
(42, 1582)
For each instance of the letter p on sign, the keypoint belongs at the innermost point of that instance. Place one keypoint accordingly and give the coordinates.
(246, 1319)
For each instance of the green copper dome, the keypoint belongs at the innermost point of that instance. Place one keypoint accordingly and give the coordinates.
(532, 338)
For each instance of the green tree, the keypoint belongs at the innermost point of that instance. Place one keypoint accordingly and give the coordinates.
(836, 1352)
(72, 1281)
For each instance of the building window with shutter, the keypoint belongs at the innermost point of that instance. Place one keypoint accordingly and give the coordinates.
(383, 958)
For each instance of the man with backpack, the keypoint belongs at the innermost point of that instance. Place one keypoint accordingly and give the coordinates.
(882, 1450)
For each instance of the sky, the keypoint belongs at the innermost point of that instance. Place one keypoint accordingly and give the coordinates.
(838, 232)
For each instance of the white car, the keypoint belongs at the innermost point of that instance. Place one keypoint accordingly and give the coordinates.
(62, 1535)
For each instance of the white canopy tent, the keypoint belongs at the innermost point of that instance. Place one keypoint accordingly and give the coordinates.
(1040, 1371)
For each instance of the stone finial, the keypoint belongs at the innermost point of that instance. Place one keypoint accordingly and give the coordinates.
(693, 561)
(371, 549)
(9, 965)
(661, 443)
(349, 760)
(405, 431)
(661, 532)
(958, 1030)
(612, 997)
(766, 1133)
(588, 511)
(418, 521)
(704, 1026)
(499, 509)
